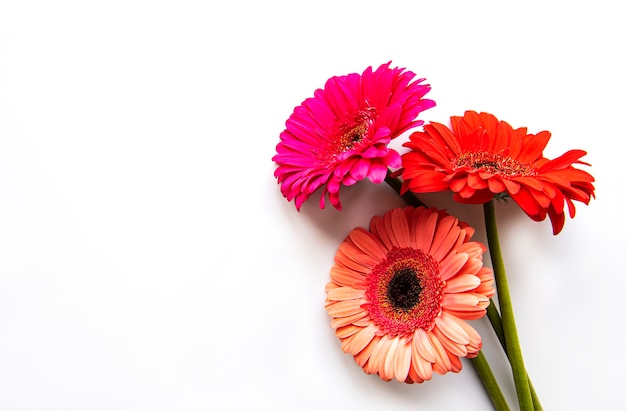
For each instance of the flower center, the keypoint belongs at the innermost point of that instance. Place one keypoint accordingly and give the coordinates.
(404, 292)
(348, 132)
(493, 163)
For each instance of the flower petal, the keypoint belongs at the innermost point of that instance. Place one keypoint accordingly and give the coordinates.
(460, 283)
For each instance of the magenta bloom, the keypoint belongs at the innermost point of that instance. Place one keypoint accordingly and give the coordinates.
(340, 135)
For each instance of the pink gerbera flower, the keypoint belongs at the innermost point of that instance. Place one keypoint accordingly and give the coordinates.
(340, 135)
(400, 293)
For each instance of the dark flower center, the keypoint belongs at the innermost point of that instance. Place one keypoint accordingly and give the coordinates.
(404, 290)
(348, 132)
(351, 135)
(493, 163)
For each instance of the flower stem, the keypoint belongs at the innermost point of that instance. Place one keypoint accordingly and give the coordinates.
(396, 184)
(489, 381)
(496, 323)
(509, 328)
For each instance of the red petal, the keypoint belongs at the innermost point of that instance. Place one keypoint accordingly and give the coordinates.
(534, 148)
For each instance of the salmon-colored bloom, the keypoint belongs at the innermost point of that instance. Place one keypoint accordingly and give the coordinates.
(400, 293)
(340, 135)
(482, 157)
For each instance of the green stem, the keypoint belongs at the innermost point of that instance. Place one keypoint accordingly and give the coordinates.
(508, 320)
(496, 323)
(489, 381)
(409, 197)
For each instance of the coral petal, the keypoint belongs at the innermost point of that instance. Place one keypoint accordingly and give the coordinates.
(449, 326)
(460, 283)
(360, 340)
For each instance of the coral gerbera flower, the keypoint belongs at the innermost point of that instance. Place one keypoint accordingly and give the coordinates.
(482, 157)
(400, 293)
(340, 135)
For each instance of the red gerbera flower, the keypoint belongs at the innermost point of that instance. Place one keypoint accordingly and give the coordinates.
(340, 135)
(400, 293)
(482, 157)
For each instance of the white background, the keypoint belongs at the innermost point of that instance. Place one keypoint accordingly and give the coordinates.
(149, 262)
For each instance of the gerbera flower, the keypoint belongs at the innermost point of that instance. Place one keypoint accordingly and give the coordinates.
(400, 293)
(482, 157)
(340, 135)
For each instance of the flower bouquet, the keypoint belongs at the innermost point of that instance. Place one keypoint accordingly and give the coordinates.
(403, 290)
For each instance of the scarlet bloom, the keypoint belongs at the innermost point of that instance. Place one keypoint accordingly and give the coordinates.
(482, 157)
(340, 135)
(400, 293)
